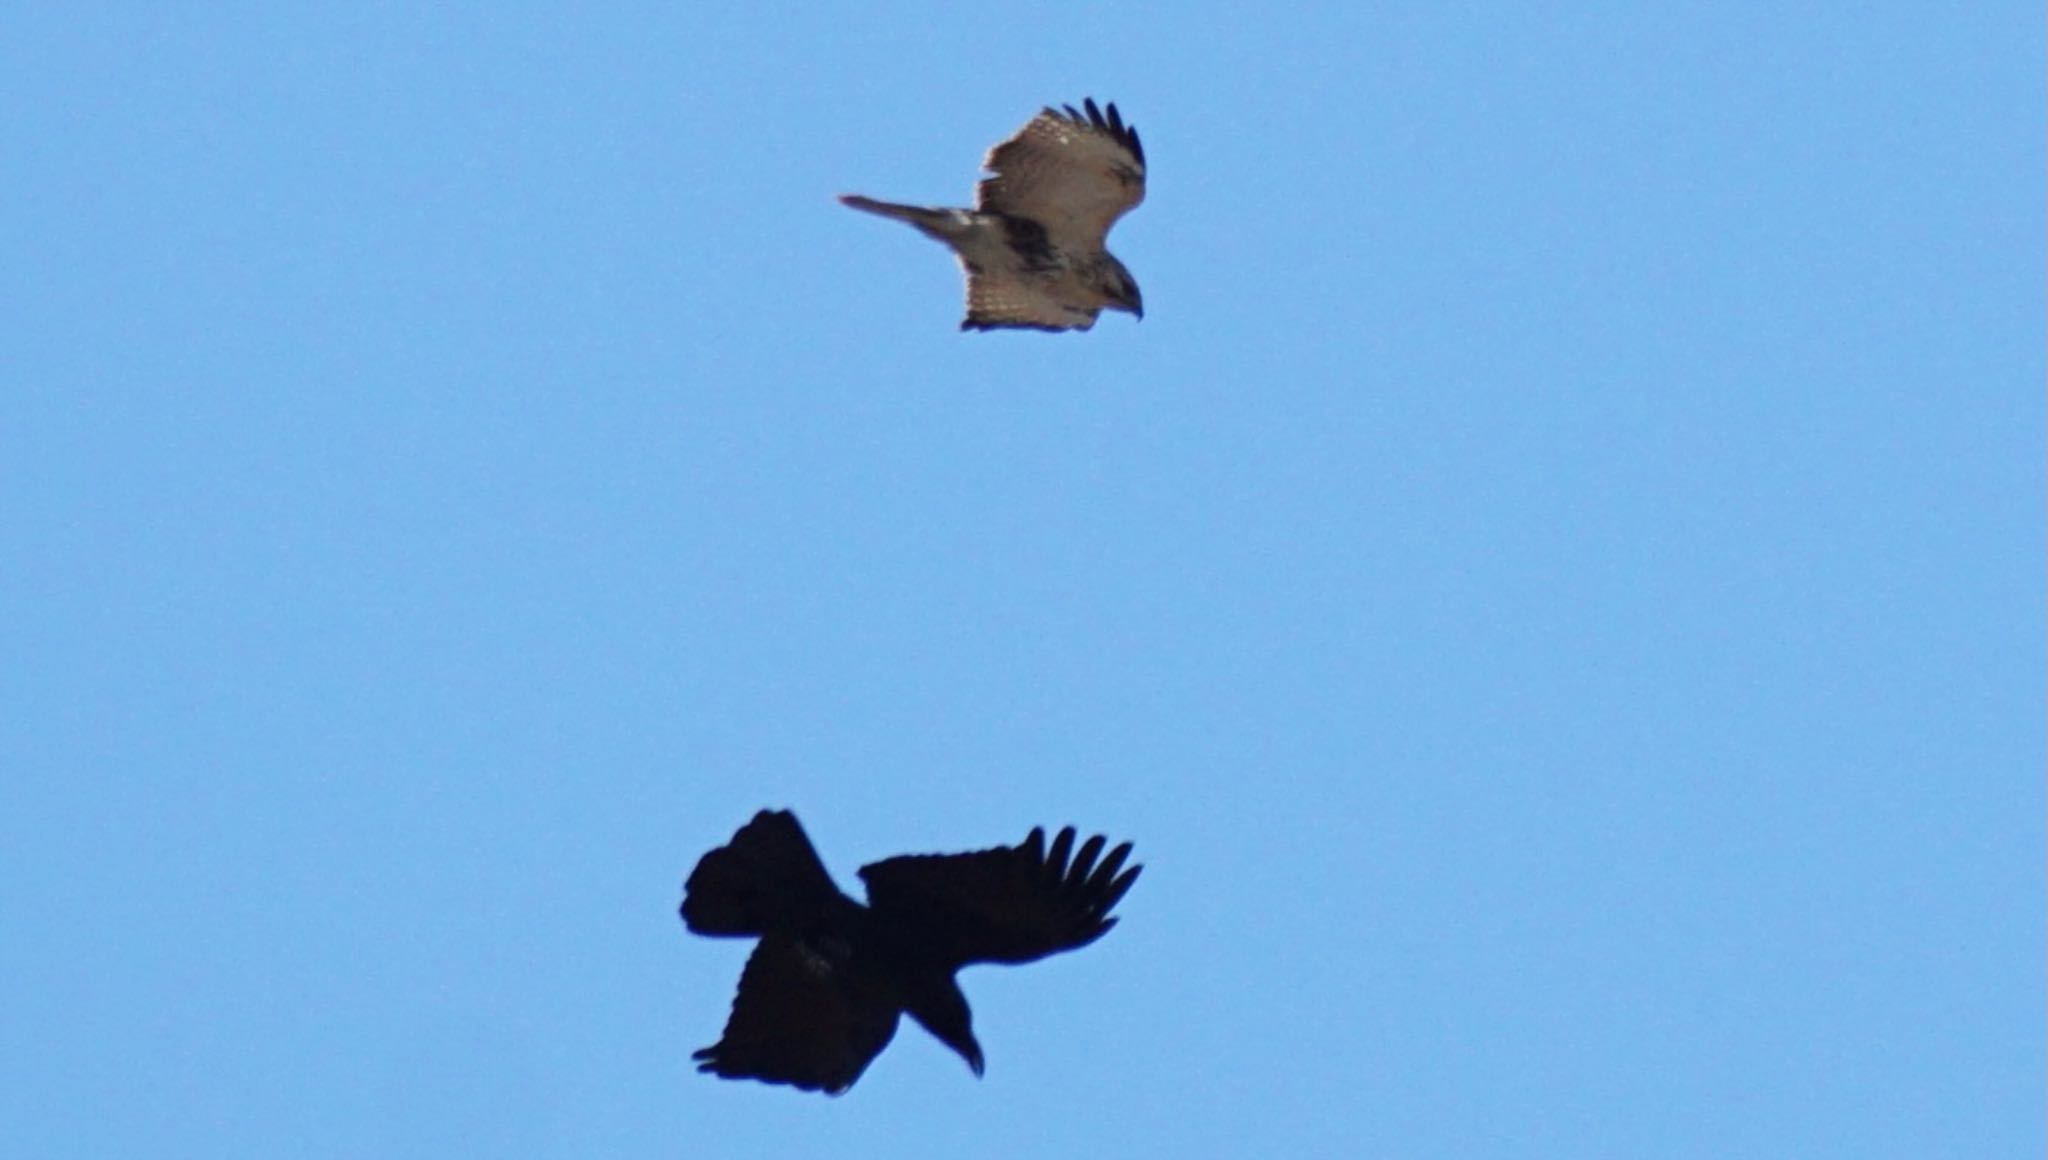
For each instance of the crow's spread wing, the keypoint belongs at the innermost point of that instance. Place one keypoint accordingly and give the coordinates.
(801, 1018)
(1075, 172)
(1011, 904)
(767, 878)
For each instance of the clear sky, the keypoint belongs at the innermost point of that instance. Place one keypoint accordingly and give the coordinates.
(1553, 587)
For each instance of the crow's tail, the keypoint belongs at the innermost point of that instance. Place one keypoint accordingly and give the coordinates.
(767, 878)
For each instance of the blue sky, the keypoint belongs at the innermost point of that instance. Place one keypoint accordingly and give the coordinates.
(1553, 587)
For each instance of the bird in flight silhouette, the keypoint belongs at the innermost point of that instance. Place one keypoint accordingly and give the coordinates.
(821, 994)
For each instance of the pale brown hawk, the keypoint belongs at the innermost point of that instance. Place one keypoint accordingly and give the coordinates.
(1033, 245)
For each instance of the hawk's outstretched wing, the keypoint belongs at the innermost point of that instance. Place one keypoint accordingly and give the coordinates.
(1011, 904)
(801, 1018)
(1075, 172)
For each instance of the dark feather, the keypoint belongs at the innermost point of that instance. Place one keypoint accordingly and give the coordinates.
(1109, 121)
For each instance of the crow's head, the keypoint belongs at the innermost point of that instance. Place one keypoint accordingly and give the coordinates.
(942, 1010)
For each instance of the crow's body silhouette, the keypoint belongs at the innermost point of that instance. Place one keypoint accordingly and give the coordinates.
(821, 994)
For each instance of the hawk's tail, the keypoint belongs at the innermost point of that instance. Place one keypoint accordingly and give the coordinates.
(768, 877)
(939, 223)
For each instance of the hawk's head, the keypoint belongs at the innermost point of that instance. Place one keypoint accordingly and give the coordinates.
(1119, 289)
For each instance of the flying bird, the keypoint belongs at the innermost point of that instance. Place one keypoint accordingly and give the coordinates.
(820, 995)
(1033, 245)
